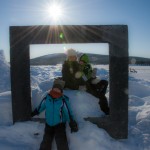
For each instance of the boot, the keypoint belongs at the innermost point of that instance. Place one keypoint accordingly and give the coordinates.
(104, 104)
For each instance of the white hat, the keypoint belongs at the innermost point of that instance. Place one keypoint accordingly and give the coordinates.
(71, 52)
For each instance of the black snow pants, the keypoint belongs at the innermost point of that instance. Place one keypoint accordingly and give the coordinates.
(59, 133)
(99, 91)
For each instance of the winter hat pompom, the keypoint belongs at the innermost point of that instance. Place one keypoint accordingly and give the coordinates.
(71, 52)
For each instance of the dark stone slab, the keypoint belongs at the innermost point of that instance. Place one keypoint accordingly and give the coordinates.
(115, 35)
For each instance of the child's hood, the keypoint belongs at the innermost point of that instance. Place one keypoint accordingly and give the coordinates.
(84, 58)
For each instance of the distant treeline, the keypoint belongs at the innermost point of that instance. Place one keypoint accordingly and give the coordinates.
(53, 59)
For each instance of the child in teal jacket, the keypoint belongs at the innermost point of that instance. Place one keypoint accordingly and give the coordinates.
(57, 113)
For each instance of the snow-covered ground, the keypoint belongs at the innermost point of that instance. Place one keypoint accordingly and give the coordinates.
(22, 135)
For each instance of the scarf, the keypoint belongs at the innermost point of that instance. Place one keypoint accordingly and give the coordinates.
(55, 94)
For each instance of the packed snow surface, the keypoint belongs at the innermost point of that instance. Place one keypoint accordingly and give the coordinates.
(28, 135)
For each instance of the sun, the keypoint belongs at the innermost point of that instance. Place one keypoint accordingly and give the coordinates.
(55, 11)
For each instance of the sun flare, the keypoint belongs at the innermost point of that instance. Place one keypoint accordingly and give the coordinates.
(55, 11)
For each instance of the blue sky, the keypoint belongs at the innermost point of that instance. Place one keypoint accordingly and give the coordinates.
(134, 13)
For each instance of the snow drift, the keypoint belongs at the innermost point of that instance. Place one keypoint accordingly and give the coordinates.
(28, 135)
(4, 73)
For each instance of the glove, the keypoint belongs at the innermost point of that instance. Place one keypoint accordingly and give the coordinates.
(95, 81)
(73, 125)
(34, 113)
(94, 71)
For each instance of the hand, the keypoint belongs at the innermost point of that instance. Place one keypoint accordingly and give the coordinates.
(34, 113)
(73, 125)
(94, 72)
(95, 81)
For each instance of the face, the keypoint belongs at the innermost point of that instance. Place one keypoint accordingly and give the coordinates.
(57, 90)
(72, 58)
(81, 62)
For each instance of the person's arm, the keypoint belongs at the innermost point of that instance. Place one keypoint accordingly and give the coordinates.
(68, 74)
(73, 125)
(64, 71)
(68, 106)
(87, 72)
(39, 109)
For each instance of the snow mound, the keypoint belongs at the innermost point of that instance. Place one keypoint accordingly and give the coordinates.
(4, 73)
(138, 89)
(144, 114)
(5, 106)
(28, 135)
(135, 101)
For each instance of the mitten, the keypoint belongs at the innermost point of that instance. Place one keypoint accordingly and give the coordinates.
(73, 125)
(94, 71)
(34, 113)
(95, 81)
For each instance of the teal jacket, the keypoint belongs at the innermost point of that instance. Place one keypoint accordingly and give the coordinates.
(57, 110)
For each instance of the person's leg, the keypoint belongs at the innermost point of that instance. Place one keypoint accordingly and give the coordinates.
(99, 90)
(102, 86)
(60, 137)
(46, 143)
(91, 88)
(103, 104)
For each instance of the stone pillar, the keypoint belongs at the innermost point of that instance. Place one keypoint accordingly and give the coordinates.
(117, 123)
(20, 76)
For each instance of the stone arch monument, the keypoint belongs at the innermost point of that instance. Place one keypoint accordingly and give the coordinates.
(115, 35)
